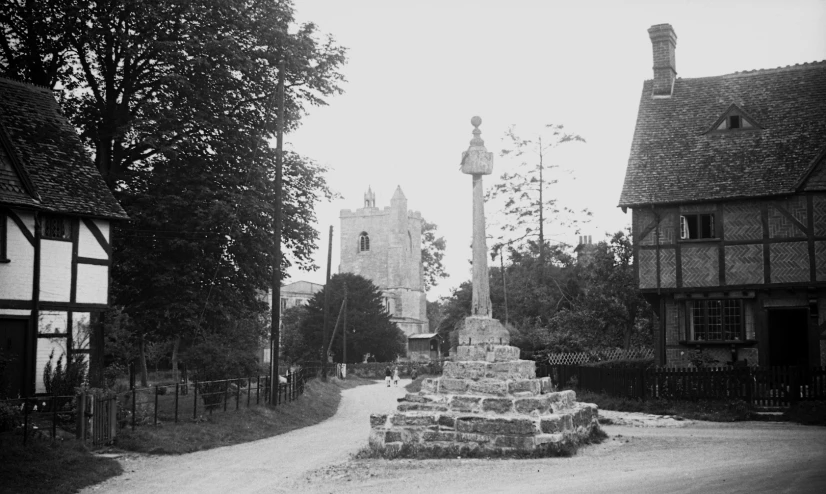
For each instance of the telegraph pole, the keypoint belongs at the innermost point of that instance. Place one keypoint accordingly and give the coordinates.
(326, 309)
(344, 333)
(275, 330)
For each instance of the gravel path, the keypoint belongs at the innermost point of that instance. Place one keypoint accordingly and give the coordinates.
(269, 465)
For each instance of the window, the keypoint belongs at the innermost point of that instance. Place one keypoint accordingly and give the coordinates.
(364, 242)
(716, 320)
(56, 227)
(696, 226)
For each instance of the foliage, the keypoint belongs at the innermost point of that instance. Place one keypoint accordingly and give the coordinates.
(528, 206)
(294, 346)
(176, 101)
(10, 416)
(63, 382)
(807, 413)
(700, 359)
(433, 251)
(369, 328)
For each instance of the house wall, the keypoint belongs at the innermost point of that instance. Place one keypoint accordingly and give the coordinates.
(72, 285)
(770, 253)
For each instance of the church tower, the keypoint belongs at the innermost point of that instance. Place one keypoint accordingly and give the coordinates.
(385, 246)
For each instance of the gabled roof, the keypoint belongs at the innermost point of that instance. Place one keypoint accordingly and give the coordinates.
(49, 156)
(675, 159)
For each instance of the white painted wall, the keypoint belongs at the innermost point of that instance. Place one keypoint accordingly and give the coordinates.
(16, 276)
(55, 270)
(88, 245)
(92, 284)
(15, 312)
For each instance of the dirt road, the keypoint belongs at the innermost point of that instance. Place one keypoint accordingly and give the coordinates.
(269, 465)
(660, 456)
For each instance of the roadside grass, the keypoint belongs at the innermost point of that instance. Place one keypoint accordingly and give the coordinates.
(416, 384)
(710, 410)
(318, 403)
(50, 468)
(807, 413)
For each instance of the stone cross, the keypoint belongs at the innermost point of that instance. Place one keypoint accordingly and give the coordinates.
(477, 161)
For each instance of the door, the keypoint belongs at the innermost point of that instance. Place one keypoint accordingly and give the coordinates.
(788, 337)
(13, 346)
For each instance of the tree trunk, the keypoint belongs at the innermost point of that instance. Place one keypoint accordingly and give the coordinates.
(144, 372)
(175, 347)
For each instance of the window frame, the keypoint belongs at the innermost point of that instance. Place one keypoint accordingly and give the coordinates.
(723, 320)
(697, 220)
(68, 226)
(363, 242)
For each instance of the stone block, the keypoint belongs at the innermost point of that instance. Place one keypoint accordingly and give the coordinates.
(446, 421)
(532, 386)
(471, 437)
(428, 407)
(549, 438)
(478, 330)
(489, 387)
(504, 353)
(430, 385)
(515, 369)
(393, 448)
(447, 385)
(378, 419)
(416, 398)
(407, 419)
(376, 438)
(465, 370)
(538, 404)
(545, 385)
(553, 424)
(486, 425)
(497, 405)
(431, 436)
(465, 403)
(465, 353)
(516, 442)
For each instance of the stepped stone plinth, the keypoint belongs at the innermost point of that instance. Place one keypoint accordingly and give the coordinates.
(487, 401)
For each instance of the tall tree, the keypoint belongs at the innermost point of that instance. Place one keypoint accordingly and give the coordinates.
(433, 251)
(369, 328)
(527, 203)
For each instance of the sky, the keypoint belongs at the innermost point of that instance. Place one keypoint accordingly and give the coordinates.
(418, 71)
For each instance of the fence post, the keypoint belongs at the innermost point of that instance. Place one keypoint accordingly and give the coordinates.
(156, 405)
(794, 385)
(642, 384)
(134, 397)
(25, 420)
(195, 400)
(177, 387)
(258, 390)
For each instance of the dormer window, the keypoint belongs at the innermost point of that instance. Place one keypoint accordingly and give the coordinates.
(734, 119)
(55, 227)
(364, 242)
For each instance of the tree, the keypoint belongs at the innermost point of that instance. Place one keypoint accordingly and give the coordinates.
(433, 251)
(527, 205)
(369, 328)
(294, 346)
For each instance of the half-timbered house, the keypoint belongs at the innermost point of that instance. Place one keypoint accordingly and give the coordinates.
(55, 237)
(726, 181)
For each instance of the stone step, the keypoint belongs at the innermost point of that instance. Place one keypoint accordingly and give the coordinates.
(525, 405)
(480, 369)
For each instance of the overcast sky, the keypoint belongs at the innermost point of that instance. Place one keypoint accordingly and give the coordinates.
(419, 70)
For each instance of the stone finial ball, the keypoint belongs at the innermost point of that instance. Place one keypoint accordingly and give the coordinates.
(476, 121)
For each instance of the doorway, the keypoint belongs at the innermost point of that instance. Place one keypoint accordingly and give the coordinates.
(788, 337)
(13, 347)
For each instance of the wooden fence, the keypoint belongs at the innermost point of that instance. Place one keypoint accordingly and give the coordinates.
(761, 386)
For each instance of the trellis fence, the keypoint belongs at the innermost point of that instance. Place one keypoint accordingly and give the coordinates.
(596, 356)
(761, 386)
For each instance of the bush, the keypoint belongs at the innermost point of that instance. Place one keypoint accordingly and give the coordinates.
(5, 362)
(63, 382)
(10, 416)
(807, 413)
(213, 360)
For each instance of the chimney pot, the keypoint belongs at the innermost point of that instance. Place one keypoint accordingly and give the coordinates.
(663, 44)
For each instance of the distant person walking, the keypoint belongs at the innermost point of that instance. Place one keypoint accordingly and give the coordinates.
(396, 376)
(387, 375)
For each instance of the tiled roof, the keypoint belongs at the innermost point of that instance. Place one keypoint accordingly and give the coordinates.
(675, 159)
(52, 156)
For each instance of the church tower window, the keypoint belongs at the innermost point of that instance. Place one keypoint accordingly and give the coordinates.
(364, 242)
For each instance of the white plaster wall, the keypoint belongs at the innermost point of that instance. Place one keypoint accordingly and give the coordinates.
(16, 276)
(15, 312)
(88, 245)
(92, 284)
(55, 270)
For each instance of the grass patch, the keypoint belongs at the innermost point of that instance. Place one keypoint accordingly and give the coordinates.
(807, 413)
(416, 384)
(45, 467)
(711, 410)
(318, 403)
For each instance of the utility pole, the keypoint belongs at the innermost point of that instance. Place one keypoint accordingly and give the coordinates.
(344, 333)
(275, 330)
(326, 309)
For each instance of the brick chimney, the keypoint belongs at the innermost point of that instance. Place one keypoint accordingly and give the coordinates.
(663, 42)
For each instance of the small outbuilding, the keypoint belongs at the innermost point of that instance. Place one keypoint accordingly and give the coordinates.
(423, 346)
